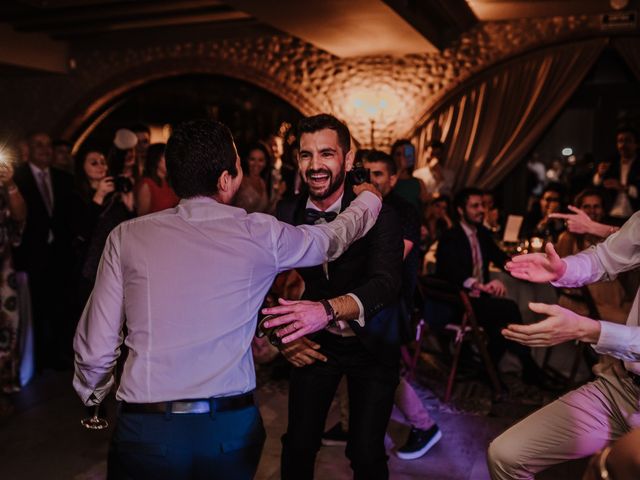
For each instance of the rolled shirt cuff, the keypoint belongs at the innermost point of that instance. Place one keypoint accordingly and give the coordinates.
(618, 341)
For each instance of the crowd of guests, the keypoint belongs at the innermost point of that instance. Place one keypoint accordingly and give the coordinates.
(57, 210)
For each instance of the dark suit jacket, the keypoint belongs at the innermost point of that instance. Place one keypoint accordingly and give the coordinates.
(34, 253)
(632, 179)
(454, 261)
(371, 269)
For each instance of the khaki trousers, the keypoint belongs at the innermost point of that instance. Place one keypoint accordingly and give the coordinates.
(576, 425)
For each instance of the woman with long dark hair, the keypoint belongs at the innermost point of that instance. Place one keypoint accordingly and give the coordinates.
(254, 194)
(153, 192)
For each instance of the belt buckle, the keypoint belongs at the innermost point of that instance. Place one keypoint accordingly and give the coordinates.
(198, 406)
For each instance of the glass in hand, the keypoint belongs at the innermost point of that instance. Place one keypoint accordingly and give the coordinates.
(95, 422)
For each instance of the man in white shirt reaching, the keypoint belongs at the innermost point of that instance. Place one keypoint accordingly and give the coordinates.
(187, 283)
(587, 419)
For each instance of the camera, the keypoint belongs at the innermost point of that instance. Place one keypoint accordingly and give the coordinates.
(122, 184)
(359, 175)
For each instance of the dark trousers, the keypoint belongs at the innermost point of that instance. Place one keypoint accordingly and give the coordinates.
(371, 387)
(223, 445)
(53, 320)
(494, 314)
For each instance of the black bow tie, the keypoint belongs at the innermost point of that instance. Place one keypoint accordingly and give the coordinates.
(311, 216)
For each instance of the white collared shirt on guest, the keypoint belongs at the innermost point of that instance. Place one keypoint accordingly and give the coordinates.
(190, 281)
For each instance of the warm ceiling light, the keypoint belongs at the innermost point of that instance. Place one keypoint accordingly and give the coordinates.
(374, 104)
(618, 4)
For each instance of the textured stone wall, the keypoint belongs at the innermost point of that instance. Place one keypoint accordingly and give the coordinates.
(393, 91)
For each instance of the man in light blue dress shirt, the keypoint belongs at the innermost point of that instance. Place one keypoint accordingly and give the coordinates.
(587, 419)
(188, 282)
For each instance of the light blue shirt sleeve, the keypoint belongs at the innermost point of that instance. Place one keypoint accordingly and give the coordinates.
(620, 252)
(310, 245)
(95, 360)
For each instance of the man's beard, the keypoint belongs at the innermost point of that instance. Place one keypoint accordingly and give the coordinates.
(472, 222)
(334, 183)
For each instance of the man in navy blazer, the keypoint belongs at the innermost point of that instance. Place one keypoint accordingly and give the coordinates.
(462, 258)
(347, 322)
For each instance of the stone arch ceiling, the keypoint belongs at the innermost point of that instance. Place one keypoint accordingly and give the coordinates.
(310, 79)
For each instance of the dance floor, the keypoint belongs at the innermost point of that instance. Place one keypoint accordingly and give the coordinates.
(43, 437)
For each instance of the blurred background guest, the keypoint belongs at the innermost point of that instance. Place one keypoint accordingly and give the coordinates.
(119, 204)
(408, 187)
(92, 187)
(437, 179)
(435, 221)
(62, 157)
(537, 222)
(143, 135)
(13, 213)
(45, 252)
(492, 218)
(621, 175)
(153, 191)
(255, 190)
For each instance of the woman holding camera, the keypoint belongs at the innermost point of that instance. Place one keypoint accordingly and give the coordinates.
(118, 203)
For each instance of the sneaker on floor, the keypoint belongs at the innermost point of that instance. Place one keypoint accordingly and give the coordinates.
(419, 443)
(335, 436)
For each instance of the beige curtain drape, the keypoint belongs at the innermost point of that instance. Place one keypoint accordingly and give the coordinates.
(629, 49)
(494, 122)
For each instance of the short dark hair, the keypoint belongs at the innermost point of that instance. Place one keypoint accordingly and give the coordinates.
(554, 187)
(399, 143)
(140, 128)
(154, 155)
(197, 153)
(588, 192)
(382, 157)
(462, 197)
(628, 129)
(325, 121)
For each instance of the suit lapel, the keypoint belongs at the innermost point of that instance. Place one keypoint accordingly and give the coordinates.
(298, 213)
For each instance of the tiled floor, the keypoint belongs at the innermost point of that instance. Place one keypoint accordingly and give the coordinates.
(43, 438)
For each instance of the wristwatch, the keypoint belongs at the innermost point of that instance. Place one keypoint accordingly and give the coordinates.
(331, 314)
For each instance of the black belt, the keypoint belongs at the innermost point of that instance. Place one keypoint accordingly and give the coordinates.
(635, 378)
(198, 405)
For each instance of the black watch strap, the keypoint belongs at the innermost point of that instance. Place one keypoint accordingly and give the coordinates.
(331, 314)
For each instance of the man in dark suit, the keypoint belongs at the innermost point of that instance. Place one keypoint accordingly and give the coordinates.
(463, 257)
(621, 176)
(347, 323)
(45, 252)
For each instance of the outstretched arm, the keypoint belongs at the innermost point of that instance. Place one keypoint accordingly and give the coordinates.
(579, 222)
(310, 245)
(538, 267)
